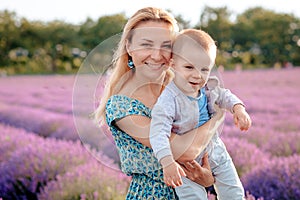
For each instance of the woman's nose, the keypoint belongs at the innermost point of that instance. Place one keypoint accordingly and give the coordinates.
(156, 53)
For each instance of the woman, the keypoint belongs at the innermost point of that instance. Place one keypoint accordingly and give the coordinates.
(140, 71)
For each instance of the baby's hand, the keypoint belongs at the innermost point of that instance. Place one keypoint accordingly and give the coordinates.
(241, 118)
(172, 174)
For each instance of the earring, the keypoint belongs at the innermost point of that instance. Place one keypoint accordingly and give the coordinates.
(130, 63)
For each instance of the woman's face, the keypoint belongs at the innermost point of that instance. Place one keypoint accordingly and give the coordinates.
(150, 48)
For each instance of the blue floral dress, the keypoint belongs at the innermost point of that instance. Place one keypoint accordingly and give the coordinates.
(137, 160)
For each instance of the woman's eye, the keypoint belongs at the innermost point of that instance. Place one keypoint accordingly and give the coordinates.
(167, 46)
(146, 45)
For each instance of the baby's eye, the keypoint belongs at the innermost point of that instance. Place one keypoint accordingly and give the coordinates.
(204, 69)
(188, 67)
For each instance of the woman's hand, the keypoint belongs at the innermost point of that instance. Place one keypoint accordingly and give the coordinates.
(199, 174)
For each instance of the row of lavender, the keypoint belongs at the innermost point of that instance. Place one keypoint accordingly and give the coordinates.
(33, 167)
(41, 156)
(267, 156)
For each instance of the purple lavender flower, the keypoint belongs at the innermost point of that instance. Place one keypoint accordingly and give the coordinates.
(88, 181)
(245, 155)
(278, 179)
(286, 144)
(29, 168)
(43, 105)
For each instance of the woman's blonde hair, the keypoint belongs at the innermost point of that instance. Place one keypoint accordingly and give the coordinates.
(120, 73)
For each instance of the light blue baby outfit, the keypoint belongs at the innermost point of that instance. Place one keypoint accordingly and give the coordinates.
(177, 112)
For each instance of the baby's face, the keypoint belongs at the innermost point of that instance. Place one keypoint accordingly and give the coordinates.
(192, 66)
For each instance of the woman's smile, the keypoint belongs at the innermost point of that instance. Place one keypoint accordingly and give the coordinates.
(155, 66)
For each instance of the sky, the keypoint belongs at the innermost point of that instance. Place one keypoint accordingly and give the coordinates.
(77, 11)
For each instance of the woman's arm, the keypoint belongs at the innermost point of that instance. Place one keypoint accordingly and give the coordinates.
(184, 147)
(136, 126)
(188, 146)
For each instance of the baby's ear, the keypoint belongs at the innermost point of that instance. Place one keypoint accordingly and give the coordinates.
(213, 82)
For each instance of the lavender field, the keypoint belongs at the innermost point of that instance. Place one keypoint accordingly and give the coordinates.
(42, 156)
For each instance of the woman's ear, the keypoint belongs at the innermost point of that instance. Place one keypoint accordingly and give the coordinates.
(128, 47)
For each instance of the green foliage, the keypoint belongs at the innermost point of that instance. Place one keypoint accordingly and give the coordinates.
(257, 38)
(55, 47)
(93, 33)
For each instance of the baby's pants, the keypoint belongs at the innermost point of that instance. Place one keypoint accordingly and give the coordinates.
(228, 185)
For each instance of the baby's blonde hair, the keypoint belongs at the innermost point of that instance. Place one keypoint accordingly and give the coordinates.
(203, 39)
(121, 72)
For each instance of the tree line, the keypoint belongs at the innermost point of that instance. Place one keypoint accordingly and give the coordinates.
(256, 38)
